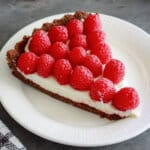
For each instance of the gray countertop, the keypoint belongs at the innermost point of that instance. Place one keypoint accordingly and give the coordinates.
(14, 14)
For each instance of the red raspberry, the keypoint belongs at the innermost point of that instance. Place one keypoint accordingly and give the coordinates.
(74, 27)
(104, 53)
(78, 40)
(40, 42)
(27, 62)
(95, 38)
(58, 33)
(76, 55)
(94, 64)
(81, 78)
(114, 71)
(45, 65)
(102, 90)
(126, 99)
(92, 23)
(62, 71)
(58, 50)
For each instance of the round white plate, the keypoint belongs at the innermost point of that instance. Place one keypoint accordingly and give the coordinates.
(66, 124)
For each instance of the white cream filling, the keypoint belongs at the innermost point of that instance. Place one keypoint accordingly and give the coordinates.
(67, 91)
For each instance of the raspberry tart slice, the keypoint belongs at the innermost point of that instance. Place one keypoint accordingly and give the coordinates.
(69, 59)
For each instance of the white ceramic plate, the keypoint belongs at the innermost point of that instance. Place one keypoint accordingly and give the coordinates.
(66, 124)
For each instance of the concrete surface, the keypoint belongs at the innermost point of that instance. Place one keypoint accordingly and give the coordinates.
(14, 14)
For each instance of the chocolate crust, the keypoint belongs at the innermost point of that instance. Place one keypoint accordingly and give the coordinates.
(13, 54)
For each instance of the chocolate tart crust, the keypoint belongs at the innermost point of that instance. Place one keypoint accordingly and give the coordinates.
(13, 54)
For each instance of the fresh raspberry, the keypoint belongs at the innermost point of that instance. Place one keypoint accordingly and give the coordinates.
(104, 53)
(94, 64)
(62, 71)
(81, 78)
(76, 55)
(74, 27)
(27, 62)
(78, 40)
(126, 99)
(45, 65)
(58, 33)
(39, 43)
(58, 50)
(114, 71)
(95, 38)
(92, 23)
(102, 90)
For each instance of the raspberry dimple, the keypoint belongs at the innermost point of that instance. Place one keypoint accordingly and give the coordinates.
(27, 62)
(45, 65)
(102, 90)
(62, 71)
(58, 50)
(76, 55)
(126, 99)
(81, 78)
(94, 64)
(114, 71)
(95, 38)
(58, 33)
(92, 23)
(39, 43)
(78, 40)
(103, 52)
(75, 26)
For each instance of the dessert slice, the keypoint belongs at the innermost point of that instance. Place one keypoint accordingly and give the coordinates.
(70, 60)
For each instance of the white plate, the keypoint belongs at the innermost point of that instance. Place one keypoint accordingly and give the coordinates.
(65, 124)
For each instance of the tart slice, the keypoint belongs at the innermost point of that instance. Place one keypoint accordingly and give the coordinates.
(70, 60)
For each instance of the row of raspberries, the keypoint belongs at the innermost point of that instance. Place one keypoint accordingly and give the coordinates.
(77, 54)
